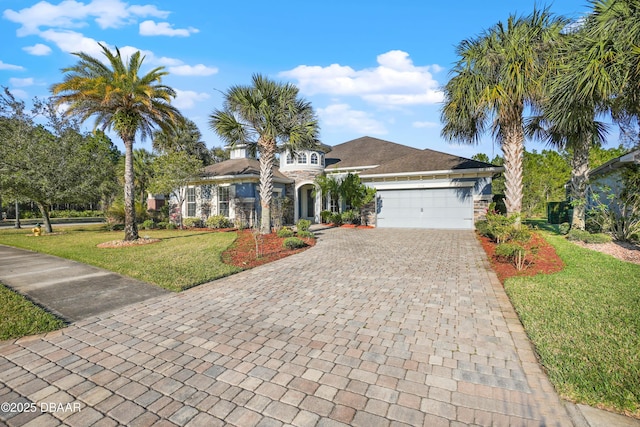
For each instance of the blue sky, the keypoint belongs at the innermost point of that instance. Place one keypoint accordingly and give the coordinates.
(368, 67)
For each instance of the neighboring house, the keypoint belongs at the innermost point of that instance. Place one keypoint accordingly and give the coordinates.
(607, 178)
(415, 188)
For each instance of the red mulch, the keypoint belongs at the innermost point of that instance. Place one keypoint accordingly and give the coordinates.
(543, 260)
(243, 251)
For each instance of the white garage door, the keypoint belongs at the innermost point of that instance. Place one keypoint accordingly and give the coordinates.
(426, 208)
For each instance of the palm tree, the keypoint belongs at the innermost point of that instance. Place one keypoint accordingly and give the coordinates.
(498, 75)
(270, 117)
(187, 138)
(122, 100)
(569, 120)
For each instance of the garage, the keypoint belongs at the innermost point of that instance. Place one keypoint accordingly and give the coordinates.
(445, 208)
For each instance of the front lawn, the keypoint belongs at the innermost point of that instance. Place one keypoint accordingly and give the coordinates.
(182, 259)
(585, 324)
(20, 317)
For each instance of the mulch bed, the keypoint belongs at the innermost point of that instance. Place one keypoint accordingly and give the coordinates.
(243, 251)
(543, 260)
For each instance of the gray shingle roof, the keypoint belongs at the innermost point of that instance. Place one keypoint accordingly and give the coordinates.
(365, 151)
(427, 161)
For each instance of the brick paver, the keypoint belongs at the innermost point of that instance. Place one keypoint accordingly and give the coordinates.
(369, 327)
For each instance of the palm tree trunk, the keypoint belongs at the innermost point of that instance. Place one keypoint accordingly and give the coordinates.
(267, 159)
(579, 178)
(513, 149)
(130, 226)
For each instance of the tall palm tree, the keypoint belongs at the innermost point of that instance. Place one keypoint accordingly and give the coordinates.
(611, 55)
(270, 117)
(498, 75)
(187, 138)
(119, 99)
(569, 120)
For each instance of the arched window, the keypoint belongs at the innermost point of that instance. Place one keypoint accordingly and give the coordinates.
(289, 159)
(302, 158)
(314, 159)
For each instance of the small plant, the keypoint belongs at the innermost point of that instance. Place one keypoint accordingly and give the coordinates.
(336, 219)
(148, 224)
(564, 228)
(306, 235)
(303, 225)
(514, 253)
(285, 232)
(192, 222)
(162, 225)
(293, 243)
(351, 217)
(219, 221)
(171, 226)
(586, 237)
(325, 216)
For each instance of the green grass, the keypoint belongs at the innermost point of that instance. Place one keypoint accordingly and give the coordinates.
(182, 259)
(585, 324)
(20, 317)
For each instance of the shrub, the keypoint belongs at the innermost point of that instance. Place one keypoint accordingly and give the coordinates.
(599, 238)
(564, 228)
(586, 237)
(482, 227)
(219, 221)
(171, 226)
(306, 235)
(192, 222)
(336, 219)
(325, 216)
(148, 224)
(501, 228)
(522, 234)
(351, 217)
(293, 243)
(303, 225)
(514, 253)
(162, 225)
(285, 232)
(577, 235)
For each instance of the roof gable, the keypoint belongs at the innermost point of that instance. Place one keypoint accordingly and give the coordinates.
(236, 167)
(365, 151)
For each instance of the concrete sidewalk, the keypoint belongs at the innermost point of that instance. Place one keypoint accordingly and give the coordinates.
(69, 289)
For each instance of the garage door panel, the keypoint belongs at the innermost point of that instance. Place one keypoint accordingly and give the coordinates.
(426, 208)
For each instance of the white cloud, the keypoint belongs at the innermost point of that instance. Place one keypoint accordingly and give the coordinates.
(150, 28)
(193, 70)
(73, 14)
(71, 41)
(424, 124)
(395, 81)
(38, 49)
(186, 99)
(5, 66)
(341, 116)
(15, 82)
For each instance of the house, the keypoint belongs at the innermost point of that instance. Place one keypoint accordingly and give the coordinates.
(607, 179)
(415, 188)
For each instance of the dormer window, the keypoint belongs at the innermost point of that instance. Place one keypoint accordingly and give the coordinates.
(314, 158)
(289, 159)
(302, 158)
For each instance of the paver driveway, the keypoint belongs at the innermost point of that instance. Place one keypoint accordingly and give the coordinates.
(368, 328)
